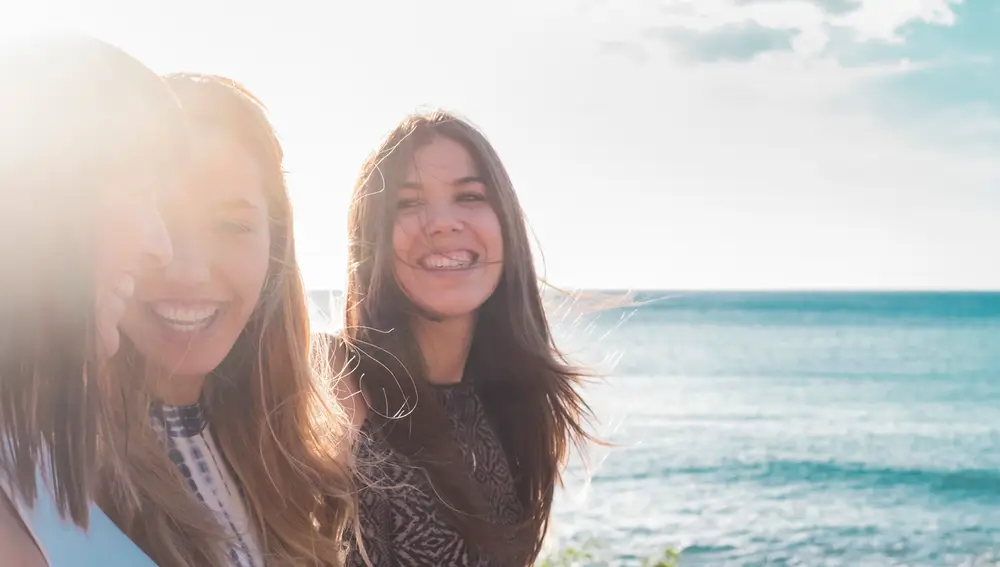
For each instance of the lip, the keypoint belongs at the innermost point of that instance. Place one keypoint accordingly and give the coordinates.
(184, 319)
(450, 260)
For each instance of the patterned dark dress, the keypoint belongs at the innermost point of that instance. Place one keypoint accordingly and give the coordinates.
(402, 526)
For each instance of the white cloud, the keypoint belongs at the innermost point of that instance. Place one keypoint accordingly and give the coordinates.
(881, 20)
(812, 21)
(780, 171)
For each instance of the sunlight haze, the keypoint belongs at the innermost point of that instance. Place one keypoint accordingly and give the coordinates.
(673, 144)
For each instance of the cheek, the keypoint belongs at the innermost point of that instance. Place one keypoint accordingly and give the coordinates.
(250, 268)
(403, 241)
(117, 228)
(400, 254)
(491, 234)
(404, 232)
(110, 250)
(120, 238)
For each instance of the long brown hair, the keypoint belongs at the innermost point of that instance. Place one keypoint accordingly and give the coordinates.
(528, 389)
(270, 410)
(75, 114)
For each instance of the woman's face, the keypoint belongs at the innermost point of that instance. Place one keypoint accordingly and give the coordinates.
(131, 239)
(446, 236)
(187, 316)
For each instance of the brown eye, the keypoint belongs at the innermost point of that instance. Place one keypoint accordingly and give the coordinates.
(472, 197)
(404, 204)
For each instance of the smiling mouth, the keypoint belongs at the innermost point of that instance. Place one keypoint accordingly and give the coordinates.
(449, 261)
(185, 318)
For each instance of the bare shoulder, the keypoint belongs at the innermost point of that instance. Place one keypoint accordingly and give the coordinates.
(343, 363)
(17, 547)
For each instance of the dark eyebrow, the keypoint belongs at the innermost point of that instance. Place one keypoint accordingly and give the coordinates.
(468, 180)
(456, 183)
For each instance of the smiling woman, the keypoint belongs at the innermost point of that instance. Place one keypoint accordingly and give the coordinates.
(447, 240)
(238, 428)
(190, 314)
(88, 138)
(465, 406)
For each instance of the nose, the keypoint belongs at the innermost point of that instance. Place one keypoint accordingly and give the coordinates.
(190, 264)
(443, 218)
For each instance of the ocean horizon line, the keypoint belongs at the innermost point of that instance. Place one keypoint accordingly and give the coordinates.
(796, 290)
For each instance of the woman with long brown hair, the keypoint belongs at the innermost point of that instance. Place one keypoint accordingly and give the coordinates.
(88, 138)
(467, 409)
(241, 460)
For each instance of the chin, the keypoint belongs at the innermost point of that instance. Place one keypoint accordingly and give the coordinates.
(192, 364)
(452, 310)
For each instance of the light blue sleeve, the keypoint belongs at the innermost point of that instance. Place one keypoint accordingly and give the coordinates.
(66, 545)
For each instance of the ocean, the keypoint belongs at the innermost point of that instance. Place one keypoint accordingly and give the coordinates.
(812, 429)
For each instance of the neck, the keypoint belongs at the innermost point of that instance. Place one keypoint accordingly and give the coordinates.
(445, 346)
(177, 389)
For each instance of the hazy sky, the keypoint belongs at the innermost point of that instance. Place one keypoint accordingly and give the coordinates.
(675, 144)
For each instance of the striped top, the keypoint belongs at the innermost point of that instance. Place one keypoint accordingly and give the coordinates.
(192, 448)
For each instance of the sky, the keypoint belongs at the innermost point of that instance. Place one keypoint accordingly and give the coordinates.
(681, 144)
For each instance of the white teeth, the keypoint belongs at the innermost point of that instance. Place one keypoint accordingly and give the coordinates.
(450, 261)
(185, 318)
(124, 286)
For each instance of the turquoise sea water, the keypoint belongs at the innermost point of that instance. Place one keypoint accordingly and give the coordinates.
(795, 429)
(788, 429)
